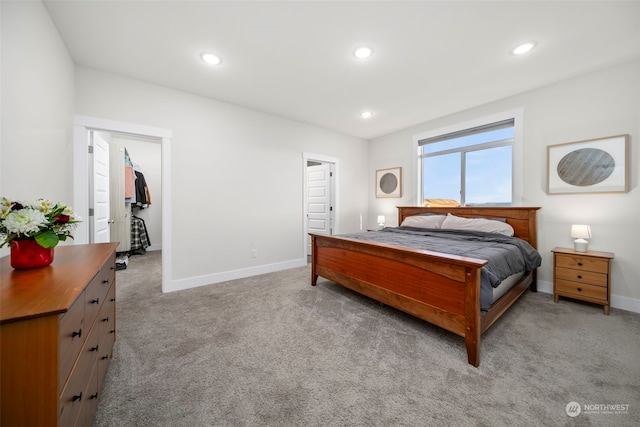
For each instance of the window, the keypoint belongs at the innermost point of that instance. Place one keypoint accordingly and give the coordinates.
(471, 166)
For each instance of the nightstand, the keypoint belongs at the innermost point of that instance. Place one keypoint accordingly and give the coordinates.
(584, 276)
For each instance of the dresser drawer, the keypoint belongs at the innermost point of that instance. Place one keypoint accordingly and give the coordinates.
(584, 263)
(581, 276)
(96, 292)
(90, 403)
(581, 290)
(107, 316)
(72, 334)
(75, 392)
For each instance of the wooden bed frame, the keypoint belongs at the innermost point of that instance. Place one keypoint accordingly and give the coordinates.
(439, 288)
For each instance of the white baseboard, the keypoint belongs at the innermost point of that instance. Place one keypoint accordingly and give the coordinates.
(209, 279)
(622, 303)
(155, 247)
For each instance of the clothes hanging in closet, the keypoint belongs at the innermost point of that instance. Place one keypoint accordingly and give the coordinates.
(139, 236)
(129, 179)
(142, 191)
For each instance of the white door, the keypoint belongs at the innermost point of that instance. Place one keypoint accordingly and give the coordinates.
(99, 198)
(319, 201)
(120, 212)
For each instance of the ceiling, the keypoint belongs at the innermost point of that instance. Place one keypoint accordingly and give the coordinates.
(294, 58)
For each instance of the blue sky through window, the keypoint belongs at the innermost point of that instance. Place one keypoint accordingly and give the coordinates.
(488, 170)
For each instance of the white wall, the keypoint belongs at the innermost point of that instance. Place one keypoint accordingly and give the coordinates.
(237, 175)
(599, 104)
(38, 99)
(148, 155)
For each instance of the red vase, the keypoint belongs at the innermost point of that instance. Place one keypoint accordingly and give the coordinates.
(29, 254)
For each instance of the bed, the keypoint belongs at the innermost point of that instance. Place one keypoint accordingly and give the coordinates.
(440, 288)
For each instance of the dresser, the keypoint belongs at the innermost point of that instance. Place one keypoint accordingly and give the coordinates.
(57, 328)
(585, 276)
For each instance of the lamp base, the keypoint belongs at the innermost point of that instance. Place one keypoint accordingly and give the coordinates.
(580, 245)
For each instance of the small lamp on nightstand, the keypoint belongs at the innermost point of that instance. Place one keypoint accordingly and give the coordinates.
(580, 232)
(381, 221)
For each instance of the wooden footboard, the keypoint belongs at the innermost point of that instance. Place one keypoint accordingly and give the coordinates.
(438, 288)
(443, 290)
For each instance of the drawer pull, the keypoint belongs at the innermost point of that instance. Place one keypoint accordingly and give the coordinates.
(579, 276)
(104, 357)
(106, 319)
(93, 396)
(579, 289)
(113, 331)
(105, 281)
(77, 334)
(94, 348)
(95, 301)
(580, 264)
(77, 397)
(112, 299)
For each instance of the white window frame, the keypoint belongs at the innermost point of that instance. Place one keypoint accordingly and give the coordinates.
(517, 196)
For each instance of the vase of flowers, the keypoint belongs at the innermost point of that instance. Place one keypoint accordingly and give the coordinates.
(33, 229)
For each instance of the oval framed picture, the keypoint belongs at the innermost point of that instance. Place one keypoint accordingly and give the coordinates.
(591, 166)
(389, 182)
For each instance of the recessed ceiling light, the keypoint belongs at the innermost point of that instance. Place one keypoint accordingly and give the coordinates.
(366, 114)
(363, 52)
(524, 48)
(210, 58)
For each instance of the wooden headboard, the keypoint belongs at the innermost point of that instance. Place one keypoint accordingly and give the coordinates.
(522, 219)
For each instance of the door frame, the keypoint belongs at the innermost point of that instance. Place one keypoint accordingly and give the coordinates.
(82, 126)
(307, 157)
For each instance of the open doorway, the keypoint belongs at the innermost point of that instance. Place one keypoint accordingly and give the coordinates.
(320, 177)
(147, 142)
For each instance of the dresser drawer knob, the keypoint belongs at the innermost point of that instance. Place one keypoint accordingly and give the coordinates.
(579, 289)
(113, 331)
(579, 276)
(112, 299)
(77, 397)
(78, 333)
(95, 301)
(106, 319)
(93, 349)
(104, 357)
(580, 264)
(93, 396)
(105, 281)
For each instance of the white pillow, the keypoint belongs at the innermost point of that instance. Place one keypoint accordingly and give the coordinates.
(423, 221)
(453, 222)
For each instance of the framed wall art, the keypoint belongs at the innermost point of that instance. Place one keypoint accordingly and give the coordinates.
(389, 182)
(591, 166)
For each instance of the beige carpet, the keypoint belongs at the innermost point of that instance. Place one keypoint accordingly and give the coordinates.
(273, 351)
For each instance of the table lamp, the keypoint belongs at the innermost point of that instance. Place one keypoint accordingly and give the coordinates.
(580, 232)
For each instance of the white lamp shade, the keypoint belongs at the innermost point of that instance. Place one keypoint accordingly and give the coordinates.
(381, 219)
(580, 231)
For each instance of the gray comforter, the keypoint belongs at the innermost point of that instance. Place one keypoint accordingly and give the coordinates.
(505, 255)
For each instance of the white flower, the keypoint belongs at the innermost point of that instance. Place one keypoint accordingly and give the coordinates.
(44, 205)
(24, 221)
(5, 207)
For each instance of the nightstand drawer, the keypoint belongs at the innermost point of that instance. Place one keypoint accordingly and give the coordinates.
(584, 263)
(580, 289)
(584, 277)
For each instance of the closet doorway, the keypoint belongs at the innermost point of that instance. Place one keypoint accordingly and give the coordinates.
(320, 178)
(148, 148)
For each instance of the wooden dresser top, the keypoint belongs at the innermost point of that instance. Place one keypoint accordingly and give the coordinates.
(50, 290)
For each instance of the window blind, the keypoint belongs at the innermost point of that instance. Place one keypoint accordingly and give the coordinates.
(467, 132)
